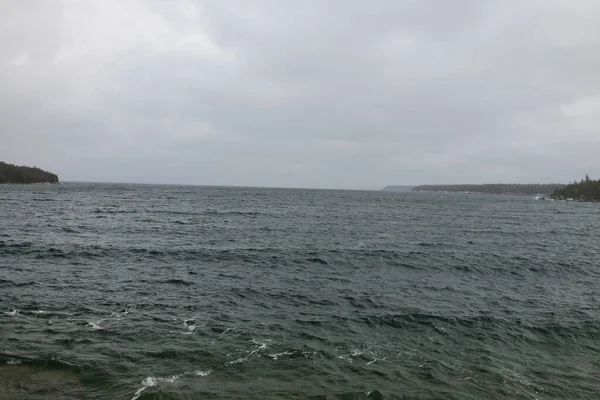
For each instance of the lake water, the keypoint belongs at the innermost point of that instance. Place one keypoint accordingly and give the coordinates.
(183, 292)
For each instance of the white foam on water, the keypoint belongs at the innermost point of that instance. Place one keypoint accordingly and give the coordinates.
(115, 315)
(170, 379)
(226, 331)
(375, 359)
(118, 315)
(260, 346)
(350, 357)
(12, 313)
(151, 381)
(39, 312)
(190, 326)
(277, 355)
(148, 382)
(94, 325)
(238, 361)
(356, 352)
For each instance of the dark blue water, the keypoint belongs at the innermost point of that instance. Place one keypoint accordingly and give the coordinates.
(172, 292)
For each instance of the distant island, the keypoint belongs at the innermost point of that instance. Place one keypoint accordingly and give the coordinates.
(10, 173)
(398, 188)
(585, 190)
(495, 188)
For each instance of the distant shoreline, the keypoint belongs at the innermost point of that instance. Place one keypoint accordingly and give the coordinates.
(515, 189)
(587, 190)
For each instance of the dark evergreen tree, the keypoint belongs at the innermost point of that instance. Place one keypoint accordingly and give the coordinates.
(586, 190)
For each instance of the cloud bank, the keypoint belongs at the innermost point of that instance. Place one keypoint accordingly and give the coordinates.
(332, 94)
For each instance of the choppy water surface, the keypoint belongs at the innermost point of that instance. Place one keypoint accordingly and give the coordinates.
(133, 291)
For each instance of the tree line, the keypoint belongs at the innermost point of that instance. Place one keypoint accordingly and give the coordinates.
(10, 173)
(495, 188)
(585, 190)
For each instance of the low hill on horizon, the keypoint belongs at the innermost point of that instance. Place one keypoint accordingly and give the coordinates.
(491, 188)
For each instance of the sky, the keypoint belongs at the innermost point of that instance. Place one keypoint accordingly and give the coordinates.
(315, 93)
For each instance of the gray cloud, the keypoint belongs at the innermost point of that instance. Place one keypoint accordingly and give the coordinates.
(343, 94)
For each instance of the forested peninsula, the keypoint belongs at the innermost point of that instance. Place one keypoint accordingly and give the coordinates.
(585, 190)
(10, 173)
(495, 188)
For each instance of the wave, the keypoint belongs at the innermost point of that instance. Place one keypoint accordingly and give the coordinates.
(4, 244)
(324, 257)
(177, 282)
(45, 361)
(9, 283)
(317, 260)
(109, 211)
(514, 328)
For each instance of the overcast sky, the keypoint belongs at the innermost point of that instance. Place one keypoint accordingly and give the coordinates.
(324, 93)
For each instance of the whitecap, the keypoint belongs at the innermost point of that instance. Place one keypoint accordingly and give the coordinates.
(151, 381)
(238, 361)
(171, 379)
(190, 326)
(114, 315)
(118, 315)
(260, 346)
(277, 355)
(362, 353)
(94, 325)
(12, 313)
(225, 331)
(148, 382)
(375, 359)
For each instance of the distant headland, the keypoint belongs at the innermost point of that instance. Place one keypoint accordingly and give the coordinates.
(10, 173)
(585, 190)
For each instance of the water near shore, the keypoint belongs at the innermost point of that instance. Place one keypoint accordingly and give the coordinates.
(171, 292)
